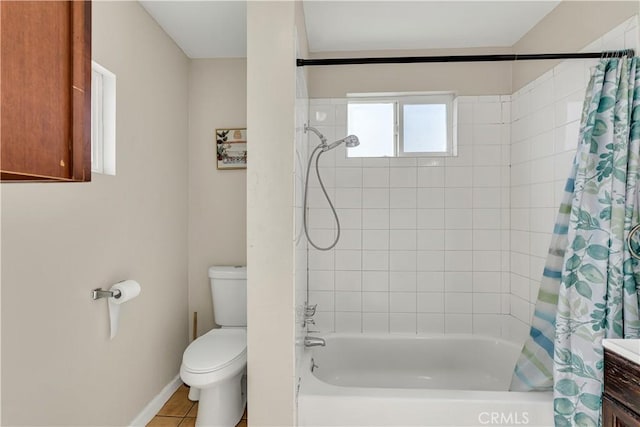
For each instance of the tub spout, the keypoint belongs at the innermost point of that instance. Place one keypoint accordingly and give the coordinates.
(314, 342)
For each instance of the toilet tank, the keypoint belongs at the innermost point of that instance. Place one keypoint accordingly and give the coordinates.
(229, 293)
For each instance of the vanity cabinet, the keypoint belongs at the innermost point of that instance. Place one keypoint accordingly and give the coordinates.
(45, 100)
(621, 399)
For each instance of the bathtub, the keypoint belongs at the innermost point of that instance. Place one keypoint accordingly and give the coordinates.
(415, 380)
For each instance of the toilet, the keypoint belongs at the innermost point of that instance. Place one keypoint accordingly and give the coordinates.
(215, 364)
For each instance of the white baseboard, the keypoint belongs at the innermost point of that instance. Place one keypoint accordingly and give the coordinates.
(156, 403)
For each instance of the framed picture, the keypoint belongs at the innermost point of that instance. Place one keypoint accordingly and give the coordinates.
(231, 147)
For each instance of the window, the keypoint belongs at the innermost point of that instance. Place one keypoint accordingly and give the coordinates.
(401, 126)
(103, 120)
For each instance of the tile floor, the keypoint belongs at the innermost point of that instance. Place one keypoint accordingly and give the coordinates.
(179, 411)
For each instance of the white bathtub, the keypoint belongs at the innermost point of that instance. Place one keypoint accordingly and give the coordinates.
(396, 380)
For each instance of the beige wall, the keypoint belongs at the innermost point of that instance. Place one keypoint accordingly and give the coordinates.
(59, 241)
(271, 76)
(479, 78)
(217, 198)
(569, 27)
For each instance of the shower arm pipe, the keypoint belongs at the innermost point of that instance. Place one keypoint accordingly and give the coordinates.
(319, 134)
(464, 58)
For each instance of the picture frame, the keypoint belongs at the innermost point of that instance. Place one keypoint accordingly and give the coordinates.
(231, 148)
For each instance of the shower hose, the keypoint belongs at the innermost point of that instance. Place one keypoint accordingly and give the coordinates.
(324, 190)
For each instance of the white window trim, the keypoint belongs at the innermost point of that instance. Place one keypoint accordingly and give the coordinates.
(103, 120)
(432, 99)
(97, 134)
(401, 99)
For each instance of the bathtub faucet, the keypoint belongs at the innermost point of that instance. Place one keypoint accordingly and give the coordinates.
(314, 342)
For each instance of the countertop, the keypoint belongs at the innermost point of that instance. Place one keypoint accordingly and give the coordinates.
(629, 349)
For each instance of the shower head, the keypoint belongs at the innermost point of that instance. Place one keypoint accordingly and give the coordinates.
(350, 141)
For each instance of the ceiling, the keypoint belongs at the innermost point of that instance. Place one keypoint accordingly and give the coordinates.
(215, 29)
(203, 29)
(377, 25)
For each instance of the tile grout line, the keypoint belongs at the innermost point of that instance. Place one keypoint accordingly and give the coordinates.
(362, 251)
(335, 192)
(473, 267)
(389, 249)
(415, 231)
(444, 249)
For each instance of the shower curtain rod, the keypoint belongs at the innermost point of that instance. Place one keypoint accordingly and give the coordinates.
(464, 58)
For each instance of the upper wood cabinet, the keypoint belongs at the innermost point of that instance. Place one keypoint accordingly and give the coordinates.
(45, 90)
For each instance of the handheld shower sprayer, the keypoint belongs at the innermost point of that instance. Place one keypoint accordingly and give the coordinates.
(349, 141)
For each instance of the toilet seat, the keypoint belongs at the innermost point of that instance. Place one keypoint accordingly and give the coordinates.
(215, 350)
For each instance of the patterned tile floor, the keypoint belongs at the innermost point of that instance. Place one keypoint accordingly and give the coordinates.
(179, 411)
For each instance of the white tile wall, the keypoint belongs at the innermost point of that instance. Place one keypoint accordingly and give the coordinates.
(413, 229)
(303, 280)
(449, 245)
(544, 133)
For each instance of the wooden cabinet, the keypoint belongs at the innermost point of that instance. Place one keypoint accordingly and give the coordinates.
(45, 90)
(621, 400)
(617, 415)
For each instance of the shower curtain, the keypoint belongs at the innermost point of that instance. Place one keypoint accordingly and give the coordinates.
(589, 289)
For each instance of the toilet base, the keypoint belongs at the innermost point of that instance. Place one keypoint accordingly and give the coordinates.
(194, 394)
(222, 405)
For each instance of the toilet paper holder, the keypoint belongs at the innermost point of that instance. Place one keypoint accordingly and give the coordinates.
(98, 293)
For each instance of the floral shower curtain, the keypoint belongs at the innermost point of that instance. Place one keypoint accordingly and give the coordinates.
(589, 289)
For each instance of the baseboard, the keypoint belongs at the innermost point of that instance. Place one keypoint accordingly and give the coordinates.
(156, 403)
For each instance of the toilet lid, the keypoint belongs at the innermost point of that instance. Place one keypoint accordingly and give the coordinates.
(215, 350)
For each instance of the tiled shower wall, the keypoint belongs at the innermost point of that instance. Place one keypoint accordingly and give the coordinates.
(546, 119)
(450, 244)
(424, 241)
(301, 146)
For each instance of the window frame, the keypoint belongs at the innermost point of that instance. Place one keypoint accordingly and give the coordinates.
(399, 101)
(378, 100)
(440, 99)
(103, 120)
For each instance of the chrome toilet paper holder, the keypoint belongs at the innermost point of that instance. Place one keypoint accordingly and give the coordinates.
(98, 293)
